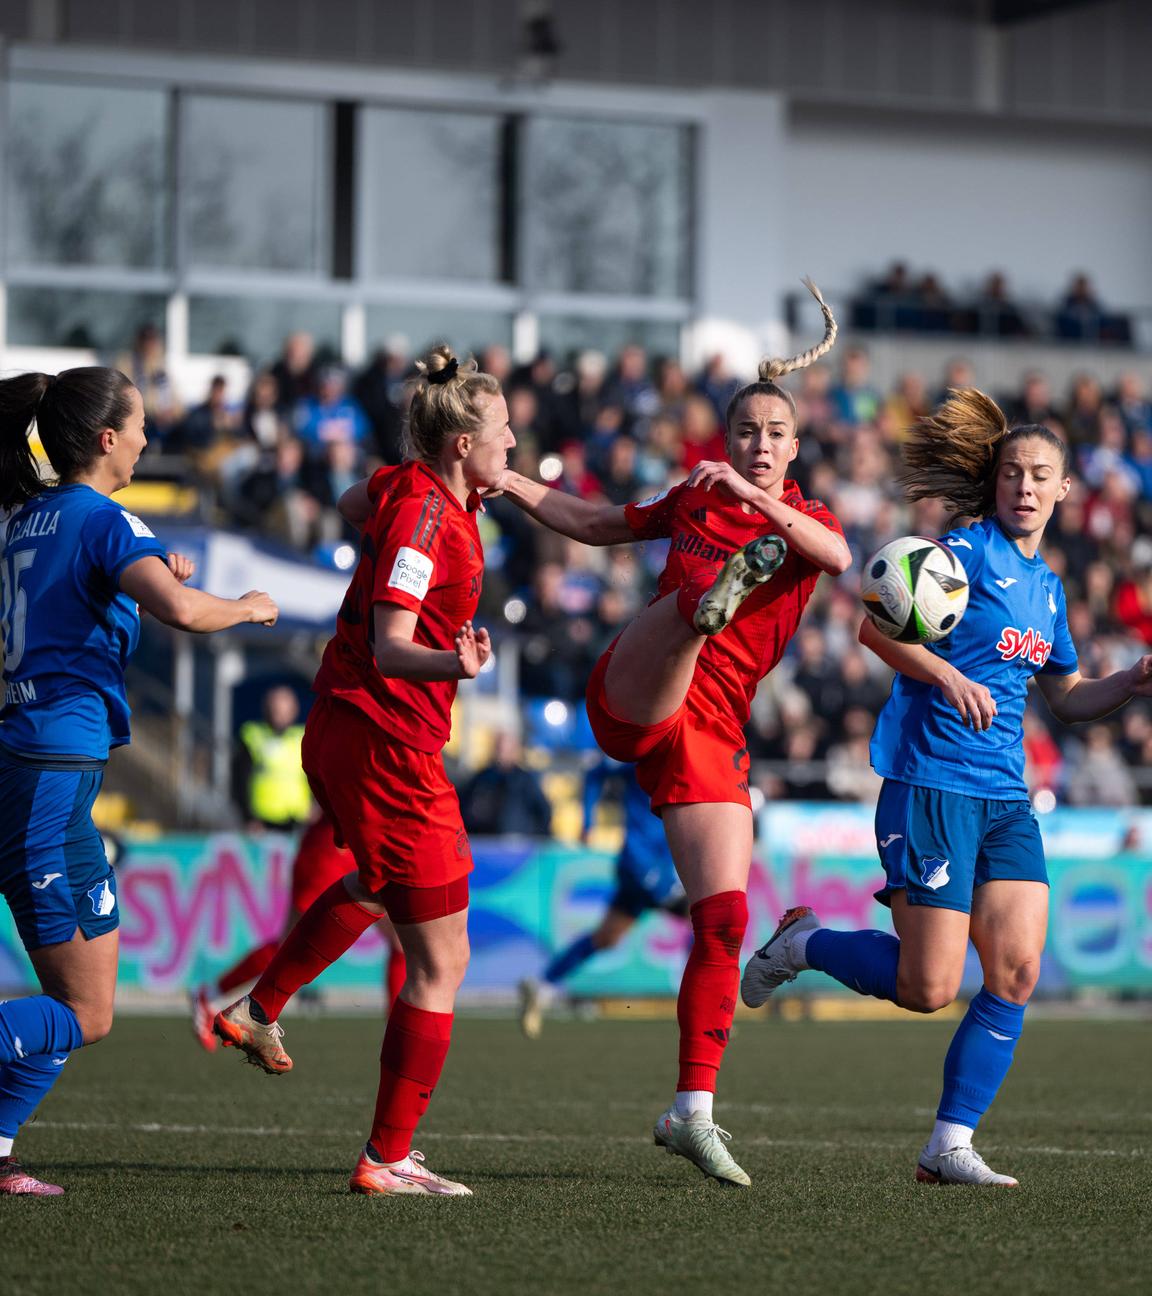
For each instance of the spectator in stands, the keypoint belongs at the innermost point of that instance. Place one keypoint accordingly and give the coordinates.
(504, 798)
(701, 432)
(620, 480)
(274, 497)
(933, 307)
(332, 415)
(269, 784)
(630, 387)
(262, 422)
(378, 392)
(854, 398)
(904, 406)
(1082, 417)
(577, 398)
(1080, 316)
(958, 374)
(295, 372)
(1097, 775)
(671, 388)
(997, 314)
(556, 647)
(215, 421)
(718, 384)
(1034, 404)
(146, 364)
(1134, 408)
(1043, 761)
(1107, 453)
(496, 360)
(1139, 459)
(850, 773)
(575, 477)
(1132, 604)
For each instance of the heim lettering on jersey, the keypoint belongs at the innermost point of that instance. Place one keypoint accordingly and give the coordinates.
(1031, 645)
(19, 691)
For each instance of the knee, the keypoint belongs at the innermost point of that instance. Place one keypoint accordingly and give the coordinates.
(721, 921)
(926, 996)
(442, 971)
(95, 1023)
(1015, 979)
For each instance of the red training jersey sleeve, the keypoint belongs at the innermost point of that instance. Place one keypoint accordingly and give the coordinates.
(706, 528)
(420, 551)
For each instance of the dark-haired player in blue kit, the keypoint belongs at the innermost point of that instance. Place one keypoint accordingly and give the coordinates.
(74, 565)
(646, 880)
(956, 834)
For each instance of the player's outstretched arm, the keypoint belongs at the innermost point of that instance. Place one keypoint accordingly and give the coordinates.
(973, 703)
(592, 524)
(398, 657)
(1072, 699)
(150, 583)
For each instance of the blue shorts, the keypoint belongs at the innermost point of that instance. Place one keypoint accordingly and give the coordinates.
(938, 847)
(640, 888)
(53, 870)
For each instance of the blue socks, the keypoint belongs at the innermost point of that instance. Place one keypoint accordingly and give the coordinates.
(36, 1025)
(23, 1085)
(979, 1057)
(864, 961)
(568, 960)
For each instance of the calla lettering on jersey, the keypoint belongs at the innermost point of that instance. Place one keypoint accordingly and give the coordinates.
(39, 524)
(1031, 645)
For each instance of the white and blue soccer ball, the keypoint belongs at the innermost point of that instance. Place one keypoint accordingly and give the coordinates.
(915, 590)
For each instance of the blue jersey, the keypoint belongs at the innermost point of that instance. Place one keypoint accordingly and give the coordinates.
(68, 630)
(645, 856)
(1016, 626)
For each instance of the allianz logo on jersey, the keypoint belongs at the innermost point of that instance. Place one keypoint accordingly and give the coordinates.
(1031, 645)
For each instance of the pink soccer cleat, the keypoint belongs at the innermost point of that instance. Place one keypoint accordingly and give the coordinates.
(410, 1176)
(202, 1018)
(18, 1183)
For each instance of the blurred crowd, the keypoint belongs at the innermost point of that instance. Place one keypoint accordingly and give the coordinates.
(903, 301)
(621, 428)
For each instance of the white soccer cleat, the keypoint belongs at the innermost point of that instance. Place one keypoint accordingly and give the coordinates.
(745, 571)
(962, 1165)
(700, 1140)
(776, 962)
(410, 1177)
(239, 1029)
(531, 1008)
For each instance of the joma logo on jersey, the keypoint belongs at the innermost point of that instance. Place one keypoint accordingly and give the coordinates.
(1031, 645)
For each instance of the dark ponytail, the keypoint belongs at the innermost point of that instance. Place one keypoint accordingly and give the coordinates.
(69, 411)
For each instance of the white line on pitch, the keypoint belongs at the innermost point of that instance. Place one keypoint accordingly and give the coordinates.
(267, 1131)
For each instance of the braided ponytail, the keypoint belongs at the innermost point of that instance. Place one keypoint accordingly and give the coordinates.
(773, 368)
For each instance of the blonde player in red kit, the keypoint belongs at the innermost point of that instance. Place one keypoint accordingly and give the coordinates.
(372, 748)
(674, 691)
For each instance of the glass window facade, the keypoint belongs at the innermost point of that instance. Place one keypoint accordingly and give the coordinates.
(254, 184)
(88, 176)
(467, 332)
(96, 320)
(605, 207)
(433, 197)
(255, 327)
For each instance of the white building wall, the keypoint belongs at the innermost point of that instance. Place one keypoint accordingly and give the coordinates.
(961, 199)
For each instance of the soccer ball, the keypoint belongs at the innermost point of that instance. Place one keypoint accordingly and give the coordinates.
(915, 590)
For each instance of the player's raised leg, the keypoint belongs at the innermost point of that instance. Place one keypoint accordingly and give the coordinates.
(712, 846)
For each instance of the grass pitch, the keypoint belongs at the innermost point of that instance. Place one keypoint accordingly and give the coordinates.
(194, 1173)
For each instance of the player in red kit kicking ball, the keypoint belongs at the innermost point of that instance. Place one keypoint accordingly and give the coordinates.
(674, 691)
(319, 862)
(372, 748)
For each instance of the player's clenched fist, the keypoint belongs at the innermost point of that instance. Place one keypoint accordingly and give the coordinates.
(473, 648)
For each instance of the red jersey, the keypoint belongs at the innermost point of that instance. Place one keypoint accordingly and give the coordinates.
(706, 528)
(420, 550)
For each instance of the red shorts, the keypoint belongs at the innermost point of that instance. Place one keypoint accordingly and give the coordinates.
(392, 805)
(696, 755)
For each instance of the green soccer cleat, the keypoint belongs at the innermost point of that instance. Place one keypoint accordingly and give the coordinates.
(745, 571)
(700, 1140)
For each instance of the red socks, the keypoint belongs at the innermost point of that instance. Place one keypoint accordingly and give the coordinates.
(415, 1046)
(708, 990)
(395, 975)
(333, 924)
(249, 968)
(689, 594)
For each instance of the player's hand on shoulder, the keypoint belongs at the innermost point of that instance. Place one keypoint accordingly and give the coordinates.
(974, 704)
(181, 567)
(262, 610)
(1140, 677)
(473, 648)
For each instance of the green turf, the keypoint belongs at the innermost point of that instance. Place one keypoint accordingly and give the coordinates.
(172, 1186)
